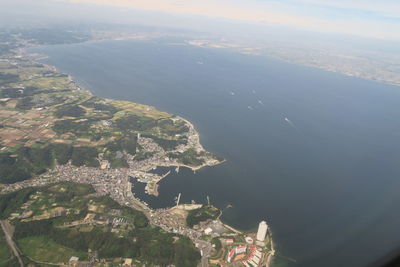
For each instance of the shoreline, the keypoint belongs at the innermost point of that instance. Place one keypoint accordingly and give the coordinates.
(240, 48)
(196, 135)
(128, 199)
(193, 134)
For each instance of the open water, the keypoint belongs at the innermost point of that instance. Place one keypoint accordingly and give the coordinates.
(316, 154)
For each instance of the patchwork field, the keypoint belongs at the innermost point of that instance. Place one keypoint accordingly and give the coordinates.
(43, 249)
(46, 120)
(58, 221)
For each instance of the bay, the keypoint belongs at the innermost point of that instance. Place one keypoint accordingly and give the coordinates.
(314, 153)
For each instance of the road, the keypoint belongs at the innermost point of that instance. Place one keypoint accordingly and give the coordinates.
(8, 232)
(206, 248)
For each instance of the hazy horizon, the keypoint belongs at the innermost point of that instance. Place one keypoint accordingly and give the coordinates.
(312, 16)
(291, 107)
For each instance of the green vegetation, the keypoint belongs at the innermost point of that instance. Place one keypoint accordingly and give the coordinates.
(12, 262)
(62, 152)
(5, 252)
(6, 78)
(27, 161)
(18, 92)
(185, 253)
(85, 155)
(217, 243)
(114, 155)
(97, 104)
(218, 248)
(189, 157)
(202, 214)
(116, 162)
(41, 248)
(150, 245)
(70, 188)
(172, 128)
(127, 143)
(47, 240)
(38, 158)
(166, 144)
(143, 155)
(10, 92)
(79, 128)
(135, 123)
(12, 170)
(25, 103)
(69, 111)
(48, 120)
(34, 160)
(11, 202)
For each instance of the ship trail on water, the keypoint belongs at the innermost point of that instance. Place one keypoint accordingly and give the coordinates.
(289, 122)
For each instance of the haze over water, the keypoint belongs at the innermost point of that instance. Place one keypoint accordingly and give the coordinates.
(326, 179)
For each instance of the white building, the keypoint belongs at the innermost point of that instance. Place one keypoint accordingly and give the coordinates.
(73, 259)
(208, 231)
(240, 249)
(262, 231)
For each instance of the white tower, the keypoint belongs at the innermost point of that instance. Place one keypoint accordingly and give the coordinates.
(262, 231)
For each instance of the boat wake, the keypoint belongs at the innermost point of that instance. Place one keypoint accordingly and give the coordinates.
(289, 122)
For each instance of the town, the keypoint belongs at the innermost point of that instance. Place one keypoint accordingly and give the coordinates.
(109, 161)
(236, 247)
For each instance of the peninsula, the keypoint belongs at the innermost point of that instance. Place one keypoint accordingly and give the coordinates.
(66, 160)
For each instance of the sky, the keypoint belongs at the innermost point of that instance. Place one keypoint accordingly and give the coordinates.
(378, 19)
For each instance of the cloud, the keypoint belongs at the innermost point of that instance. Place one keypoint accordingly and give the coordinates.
(389, 8)
(371, 18)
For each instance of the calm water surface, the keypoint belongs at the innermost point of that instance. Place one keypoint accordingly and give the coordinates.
(326, 179)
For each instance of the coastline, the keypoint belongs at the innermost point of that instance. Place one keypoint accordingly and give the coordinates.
(36, 57)
(193, 135)
(128, 195)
